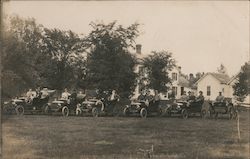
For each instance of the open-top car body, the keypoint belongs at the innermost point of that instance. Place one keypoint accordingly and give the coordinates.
(143, 108)
(186, 108)
(22, 106)
(90, 106)
(224, 107)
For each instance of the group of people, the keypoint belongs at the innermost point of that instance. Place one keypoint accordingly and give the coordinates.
(146, 96)
(191, 97)
(37, 94)
(200, 97)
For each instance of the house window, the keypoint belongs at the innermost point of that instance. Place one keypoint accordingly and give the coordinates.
(182, 90)
(174, 89)
(174, 76)
(208, 90)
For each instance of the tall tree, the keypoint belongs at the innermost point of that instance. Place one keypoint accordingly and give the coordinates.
(157, 66)
(65, 48)
(20, 42)
(110, 64)
(242, 86)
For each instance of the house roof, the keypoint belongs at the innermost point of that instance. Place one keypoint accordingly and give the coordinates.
(183, 81)
(222, 78)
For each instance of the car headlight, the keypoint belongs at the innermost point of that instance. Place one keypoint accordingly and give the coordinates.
(5, 102)
(59, 105)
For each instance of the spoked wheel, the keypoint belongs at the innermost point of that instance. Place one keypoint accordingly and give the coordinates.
(143, 113)
(47, 110)
(160, 112)
(184, 114)
(168, 112)
(203, 113)
(95, 112)
(7, 111)
(216, 115)
(78, 112)
(115, 112)
(126, 111)
(19, 110)
(65, 111)
(233, 114)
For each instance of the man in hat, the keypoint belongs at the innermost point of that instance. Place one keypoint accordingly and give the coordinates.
(65, 94)
(200, 98)
(220, 97)
(184, 96)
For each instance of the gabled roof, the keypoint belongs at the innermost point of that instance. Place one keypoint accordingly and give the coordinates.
(183, 81)
(222, 78)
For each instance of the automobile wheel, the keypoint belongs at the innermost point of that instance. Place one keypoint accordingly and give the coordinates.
(6, 110)
(203, 113)
(168, 112)
(184, 114)
(115, 112)
(126, 111)
(19, 110)
(160, 112)
(47, 110)
(78, 112)
(143, 113)
(65, 111)
(95, 112)
(216, 115)
(233, 114)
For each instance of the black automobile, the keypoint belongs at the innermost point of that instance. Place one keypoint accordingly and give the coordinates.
(22, 106)
(143, 108)
(224, 107)
(186, 108)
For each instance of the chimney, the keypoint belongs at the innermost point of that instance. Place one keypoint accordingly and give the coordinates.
(138, 48)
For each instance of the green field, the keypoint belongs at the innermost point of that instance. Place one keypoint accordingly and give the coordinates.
(43, 137)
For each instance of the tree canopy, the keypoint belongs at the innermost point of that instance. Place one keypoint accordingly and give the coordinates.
(109, 63)
(242, 86)
(157, 66)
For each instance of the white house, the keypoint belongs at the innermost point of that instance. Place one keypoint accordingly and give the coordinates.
(179, 82)
(213, 83)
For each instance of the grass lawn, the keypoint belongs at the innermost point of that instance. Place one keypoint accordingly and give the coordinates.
(43, 137)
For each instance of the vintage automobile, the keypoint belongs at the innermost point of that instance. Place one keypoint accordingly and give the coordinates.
(22, 106)
(98, 106)
(224, 107)
(185, 108)
(92, 106)
(66, 107)
(143, 108)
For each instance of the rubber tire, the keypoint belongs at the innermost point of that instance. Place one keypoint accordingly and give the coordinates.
(184, 113)
(47, 110)
(126, 111)
(160, 112)
(95, 112)
(65, 111)
(168, 112)
(233, 114)
(203, 113)
(78, 112)
(143, 113)
(19, 110)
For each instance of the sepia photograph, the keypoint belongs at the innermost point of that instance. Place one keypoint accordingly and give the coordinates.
(125, 79)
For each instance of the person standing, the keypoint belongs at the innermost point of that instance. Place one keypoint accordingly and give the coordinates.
(184, 96)
(200, 98)
(65, 94)
(220, 97)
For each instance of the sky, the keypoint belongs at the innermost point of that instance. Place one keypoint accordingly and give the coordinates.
(200, 34)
